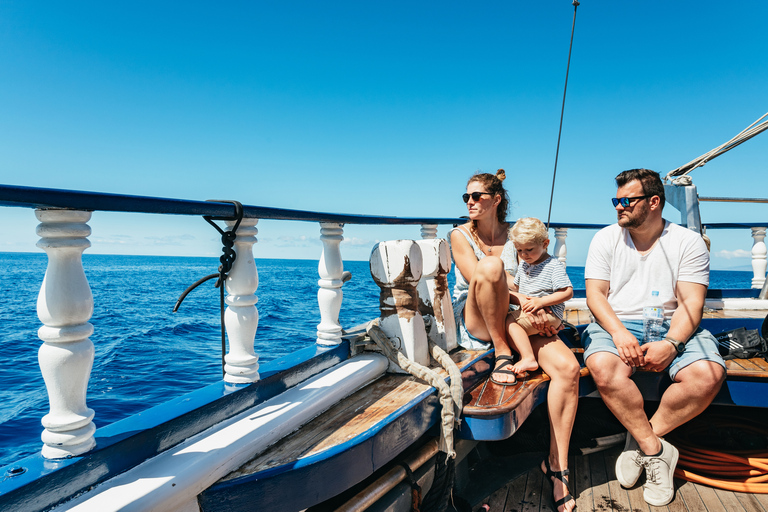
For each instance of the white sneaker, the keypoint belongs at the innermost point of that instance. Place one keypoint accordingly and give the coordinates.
(629, 465)
(659, 472)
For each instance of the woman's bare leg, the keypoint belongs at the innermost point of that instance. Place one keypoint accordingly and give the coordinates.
(557, 360)
(487, 305)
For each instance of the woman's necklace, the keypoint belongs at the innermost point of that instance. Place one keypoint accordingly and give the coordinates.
(493, 240)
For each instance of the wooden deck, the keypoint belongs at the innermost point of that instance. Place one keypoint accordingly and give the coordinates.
(595, 487)
(348, 419)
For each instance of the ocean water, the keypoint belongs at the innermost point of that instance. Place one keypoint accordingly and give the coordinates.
(145, 354)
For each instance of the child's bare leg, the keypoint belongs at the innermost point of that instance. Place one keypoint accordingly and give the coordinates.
(522, 344)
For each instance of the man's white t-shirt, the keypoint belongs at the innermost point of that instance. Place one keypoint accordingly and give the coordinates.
(679, 255)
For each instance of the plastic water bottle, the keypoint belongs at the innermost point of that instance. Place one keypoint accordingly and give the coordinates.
(653, 318)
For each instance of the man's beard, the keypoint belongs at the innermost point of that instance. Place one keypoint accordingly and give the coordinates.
(636, 220)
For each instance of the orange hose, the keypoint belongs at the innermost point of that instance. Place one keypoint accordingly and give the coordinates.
(732, 470)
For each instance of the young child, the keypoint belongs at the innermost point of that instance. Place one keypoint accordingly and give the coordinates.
(541, 282)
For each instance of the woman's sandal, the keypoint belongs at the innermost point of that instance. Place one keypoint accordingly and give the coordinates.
(563, 477)
(505, 361)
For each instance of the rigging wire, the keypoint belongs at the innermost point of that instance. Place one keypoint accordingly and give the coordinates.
(743, 136)
(562, 111)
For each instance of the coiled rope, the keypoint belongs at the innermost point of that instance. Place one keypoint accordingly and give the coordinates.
(735, 470)
(450, 395)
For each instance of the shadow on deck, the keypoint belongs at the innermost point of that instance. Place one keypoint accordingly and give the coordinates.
(509, 480)
(596, 488)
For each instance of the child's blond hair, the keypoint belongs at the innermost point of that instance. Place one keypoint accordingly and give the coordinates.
(529, 230)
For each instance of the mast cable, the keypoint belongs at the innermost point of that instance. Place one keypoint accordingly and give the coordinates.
(562, 111)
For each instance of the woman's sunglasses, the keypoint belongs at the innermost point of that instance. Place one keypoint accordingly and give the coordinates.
(625, 201)
(475, 196)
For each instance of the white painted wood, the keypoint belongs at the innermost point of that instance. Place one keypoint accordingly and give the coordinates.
(759, 253)
(396, 266)
(171, 481)
(434, 292)
(241, 318)
(560, 251)
(331, 270)
(64, 305)
(737, 304)
(428, 231)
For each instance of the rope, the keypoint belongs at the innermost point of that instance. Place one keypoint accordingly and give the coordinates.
(562, 112)
(227, 259)
(415, 488)
(729, 469)
(743, 136)
(451, 406)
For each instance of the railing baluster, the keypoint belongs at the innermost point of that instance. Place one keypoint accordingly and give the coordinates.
(65, 305)
(241, 318)
(330, 268)
(428, 231)
(560, 251)
(759, 252)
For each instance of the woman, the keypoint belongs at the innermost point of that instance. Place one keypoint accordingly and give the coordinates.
(485, 267)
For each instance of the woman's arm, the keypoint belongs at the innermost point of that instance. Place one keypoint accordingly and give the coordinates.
(463, 255)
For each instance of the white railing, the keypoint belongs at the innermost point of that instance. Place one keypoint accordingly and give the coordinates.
(65, 305)
(65, 302)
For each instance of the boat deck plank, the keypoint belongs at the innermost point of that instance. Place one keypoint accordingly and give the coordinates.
(696, 500)
(595, 487)
(346, 420)
(619, 499)
(532, 495)
(342, 422)
(581, 483)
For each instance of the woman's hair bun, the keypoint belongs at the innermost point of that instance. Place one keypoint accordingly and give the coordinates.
(501, 175)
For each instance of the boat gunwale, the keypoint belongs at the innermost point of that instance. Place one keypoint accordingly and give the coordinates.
(369, 433)
(141, 436)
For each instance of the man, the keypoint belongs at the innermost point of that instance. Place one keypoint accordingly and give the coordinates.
(627, 261)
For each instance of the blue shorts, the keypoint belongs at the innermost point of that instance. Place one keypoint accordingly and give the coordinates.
(702, 346)
(465, 338)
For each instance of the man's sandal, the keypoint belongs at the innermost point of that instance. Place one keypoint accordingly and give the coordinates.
(563, 477)
(505, 361)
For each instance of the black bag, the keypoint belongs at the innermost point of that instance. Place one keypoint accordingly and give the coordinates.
(741, 343)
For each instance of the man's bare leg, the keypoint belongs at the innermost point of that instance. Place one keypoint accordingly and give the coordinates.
(623, 398)
(694, 389)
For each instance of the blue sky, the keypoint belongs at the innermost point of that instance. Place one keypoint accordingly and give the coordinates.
(374, 108)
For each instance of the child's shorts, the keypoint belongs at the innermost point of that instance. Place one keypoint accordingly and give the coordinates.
(524, 321)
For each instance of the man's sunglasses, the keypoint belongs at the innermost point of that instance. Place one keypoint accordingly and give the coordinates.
(474, 195)
(625, 201)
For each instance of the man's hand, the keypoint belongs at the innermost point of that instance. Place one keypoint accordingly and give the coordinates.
(540, 321)
(629, 349)
(658, 355)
